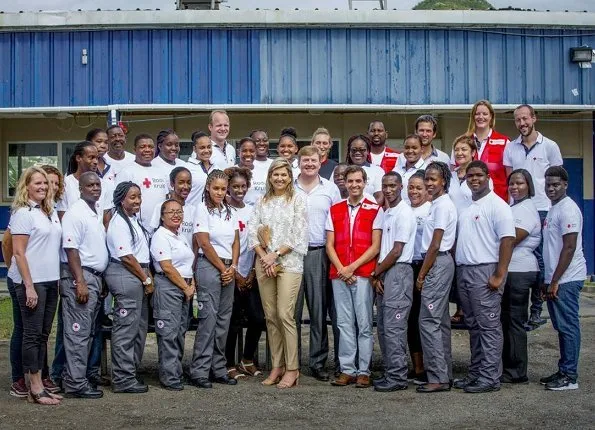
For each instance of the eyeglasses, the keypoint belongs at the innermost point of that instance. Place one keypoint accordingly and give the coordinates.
(179, 212)
(358, 150)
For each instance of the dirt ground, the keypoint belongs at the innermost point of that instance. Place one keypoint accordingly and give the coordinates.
(313, 403)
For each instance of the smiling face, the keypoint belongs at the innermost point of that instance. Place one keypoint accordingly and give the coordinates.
(391, 189)
(555, 188)
(172, 216)
(248, 152)
(116, 139)
(100, 142)
(287, 148)
(358, 152)
(37, 188)
(238, 188)
(323, 142)
(518, 187)
(425, 130)
(524, 121)
(434, 183)
(54, 183)
(463, 153)
(203, 148)
(132, 201)
(262, 144)
(482, 117)
(412, 151)
(310, 165)
(169, 148)
(144, 150)
(90, 188)
(417, 192)
(182, 184)
(377, 134)
(279, 180)
(355, 185)
(219, 127)
(477, 180)
(218, 190)
(339, 177)
(88, 161)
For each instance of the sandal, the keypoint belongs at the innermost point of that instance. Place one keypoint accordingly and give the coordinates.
(249, 368)
(285, 384)
(37, 398)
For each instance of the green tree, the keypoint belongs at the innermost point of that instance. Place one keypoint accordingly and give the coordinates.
(453, 4)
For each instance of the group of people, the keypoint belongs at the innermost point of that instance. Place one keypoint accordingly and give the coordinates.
(130, 235)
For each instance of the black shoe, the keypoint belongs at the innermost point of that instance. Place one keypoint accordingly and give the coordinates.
(505, 379)
(140, 380)
(386, 386)
(173, 387)
(98, 381)
(462, 383)
(201, 383)
(563, 383)
(427, 388)
(379, 380)
(421, 379)
(481, 387)
(225, 380)
(320, 374)
(89, 393)
(553, 377)
(135, 389)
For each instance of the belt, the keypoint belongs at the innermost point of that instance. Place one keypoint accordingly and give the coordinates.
(423, 254)
(226, 261)
(187, 280)
(143, 265)
(314, 248)
(87, 268)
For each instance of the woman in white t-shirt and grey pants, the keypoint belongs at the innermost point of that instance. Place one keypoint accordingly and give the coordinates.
(523, 276)
(35, 271)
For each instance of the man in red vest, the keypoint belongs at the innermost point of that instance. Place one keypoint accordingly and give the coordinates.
(354, 230)
(381, 155)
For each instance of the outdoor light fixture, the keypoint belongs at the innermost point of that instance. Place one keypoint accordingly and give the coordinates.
(582, 55)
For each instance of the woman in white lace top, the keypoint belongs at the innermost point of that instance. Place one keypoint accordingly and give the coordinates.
(278, 232)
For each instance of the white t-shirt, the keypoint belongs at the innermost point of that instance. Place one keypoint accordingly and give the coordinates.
(83, 229)
(398, 226)
(153, 185)
(188, 222)
(246, 260)
(401, 169)
(563, 218)
(481, 227)
(43, 247)
(353, 210)
(72, 194)
(166, 167)
(374, 183)
(526, 218)
(166, 245)
(258, 183)
(421, 214)
(119, 165)
(542, 155)
(377, 158)
(220, 159)
(318, 203)
(120, 241)
(442, 216)
(222, 230)
(199, 179)
(460, 193)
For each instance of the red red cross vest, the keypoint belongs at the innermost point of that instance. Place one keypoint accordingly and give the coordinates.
(389, 160)
(493, 156)
(348, 248)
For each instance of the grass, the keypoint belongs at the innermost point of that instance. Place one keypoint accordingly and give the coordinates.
(5, 318)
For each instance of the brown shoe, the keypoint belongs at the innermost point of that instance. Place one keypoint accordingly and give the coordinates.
(343, 380)
(363, 381)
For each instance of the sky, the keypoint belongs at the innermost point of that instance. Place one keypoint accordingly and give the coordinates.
(54, 5)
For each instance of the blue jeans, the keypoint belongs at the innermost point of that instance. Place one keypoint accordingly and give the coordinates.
(536, 302)
(564, 315)
(16, 340)
(354, 305)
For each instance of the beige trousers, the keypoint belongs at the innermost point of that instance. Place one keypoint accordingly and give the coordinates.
(278, 296)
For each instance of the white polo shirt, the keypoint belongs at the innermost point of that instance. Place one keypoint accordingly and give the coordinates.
(72, 194)
(109, 174)
(120, 242)
(83, 229)
(406, 173)
(166, 167)
(563, 218)
(460, 193)
(421, 214)
(442, 216)
(220, 159)
(199, 179)
(481, 227)
(221, 231)
(375, 174)
(187, 227)
(166, 245)
(543, 154)
(258, 182)
(398, 226)
(118, 165)
(153, 183)
(526, 218)
(43, 246)
(318, 203)
(353, 210)
(246, 260)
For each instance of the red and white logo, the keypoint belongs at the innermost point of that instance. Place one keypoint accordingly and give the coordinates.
(123, 312)
(76, 327)
(160, 324)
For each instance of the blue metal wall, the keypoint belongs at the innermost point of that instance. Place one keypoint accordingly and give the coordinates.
(390, 66)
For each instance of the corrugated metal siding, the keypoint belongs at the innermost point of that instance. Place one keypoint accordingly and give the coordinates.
(336, 66)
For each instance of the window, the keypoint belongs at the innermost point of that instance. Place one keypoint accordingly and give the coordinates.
(27, 154)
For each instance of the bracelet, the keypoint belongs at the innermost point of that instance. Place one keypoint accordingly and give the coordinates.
(234, 267)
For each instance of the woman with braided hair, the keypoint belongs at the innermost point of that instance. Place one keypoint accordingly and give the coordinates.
(128, 279)
(217, 262)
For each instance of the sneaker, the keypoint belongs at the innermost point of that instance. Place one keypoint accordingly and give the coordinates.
(462, 383)
(420, 379)
(19, 389)
(563, 383)
(50, 387)
(536, 320)
(233, 373)
(551, 378)
(248, 368)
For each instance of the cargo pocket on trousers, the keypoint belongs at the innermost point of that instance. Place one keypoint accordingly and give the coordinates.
(163, 323)
(124, 312)
(79, 326)
(489, 315)
(202, 306)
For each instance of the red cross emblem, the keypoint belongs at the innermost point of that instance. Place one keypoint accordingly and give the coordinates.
(147, 183)
(69, 240)
(476, 217)
(242, 226)
(568, 226)
(121, 248)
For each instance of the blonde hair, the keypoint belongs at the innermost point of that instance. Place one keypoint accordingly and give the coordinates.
(21, 198)
(320, 130)
(308, 151)
(51, 170)
(279, 163)
(471, 126)
(213, 113)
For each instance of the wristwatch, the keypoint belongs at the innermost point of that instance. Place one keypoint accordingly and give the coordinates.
(147, 281)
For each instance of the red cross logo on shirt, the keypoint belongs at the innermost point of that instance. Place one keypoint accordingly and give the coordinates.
(476, 217)
(147, 183)
(242, 226)
(569, 226)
